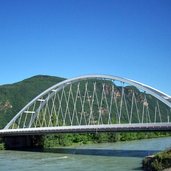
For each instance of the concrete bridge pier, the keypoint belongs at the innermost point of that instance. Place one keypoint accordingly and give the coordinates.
(23, 142)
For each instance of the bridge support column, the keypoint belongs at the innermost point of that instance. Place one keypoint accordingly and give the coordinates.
(23, 142)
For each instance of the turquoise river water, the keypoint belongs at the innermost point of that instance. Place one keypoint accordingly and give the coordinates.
(121, 156)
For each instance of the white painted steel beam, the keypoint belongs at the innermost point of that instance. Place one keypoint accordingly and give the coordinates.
(88, 128)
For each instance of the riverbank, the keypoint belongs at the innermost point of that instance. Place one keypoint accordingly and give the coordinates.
(2, 146)
(158, 162)
(62, 140)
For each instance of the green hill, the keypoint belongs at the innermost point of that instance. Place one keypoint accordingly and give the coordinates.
(13, 97)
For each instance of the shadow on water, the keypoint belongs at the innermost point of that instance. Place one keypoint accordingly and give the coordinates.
(137, 168)
(93, 151)
(102, 152)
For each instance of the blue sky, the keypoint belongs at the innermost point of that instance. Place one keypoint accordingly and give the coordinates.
(68, 38)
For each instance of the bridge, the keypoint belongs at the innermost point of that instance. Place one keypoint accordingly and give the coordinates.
(93, 103)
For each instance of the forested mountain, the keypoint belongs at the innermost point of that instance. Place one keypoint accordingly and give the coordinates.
(13, 97)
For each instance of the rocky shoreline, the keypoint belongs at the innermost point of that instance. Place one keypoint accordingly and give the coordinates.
(158, 162)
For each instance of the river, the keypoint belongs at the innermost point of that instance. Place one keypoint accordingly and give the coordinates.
(120, 156)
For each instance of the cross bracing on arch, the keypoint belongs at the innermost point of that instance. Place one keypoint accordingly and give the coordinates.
(94, 100)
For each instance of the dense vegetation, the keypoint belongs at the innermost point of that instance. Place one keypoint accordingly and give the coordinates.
(57, 140)
(158, 162)
(2, 146)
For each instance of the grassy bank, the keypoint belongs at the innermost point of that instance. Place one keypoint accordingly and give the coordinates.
(2, 147)
(158, 162)
(57, 140)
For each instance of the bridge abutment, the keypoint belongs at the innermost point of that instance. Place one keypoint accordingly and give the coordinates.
(23, 142)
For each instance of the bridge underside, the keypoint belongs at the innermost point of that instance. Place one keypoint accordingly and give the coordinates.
(88, 129)
(23, 142)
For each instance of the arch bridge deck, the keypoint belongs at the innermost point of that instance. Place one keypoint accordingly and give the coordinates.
(89, 129)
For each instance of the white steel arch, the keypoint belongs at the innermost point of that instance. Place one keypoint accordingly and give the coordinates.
(166, 99)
